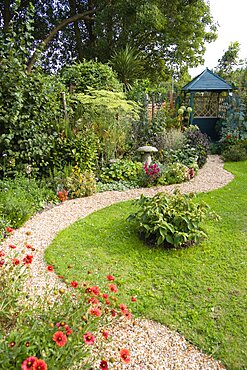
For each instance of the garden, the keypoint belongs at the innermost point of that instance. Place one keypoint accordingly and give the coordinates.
(80, 127)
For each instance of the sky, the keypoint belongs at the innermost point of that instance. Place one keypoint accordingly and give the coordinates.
(231, 16)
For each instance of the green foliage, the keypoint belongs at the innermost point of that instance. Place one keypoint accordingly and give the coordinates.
(128, 64)
(170, 219)
(199, 142)
(20, 198)
(173, 173)
(121, 170)
(95, 75)
(80, 184)
(235, 153)
(117, 185)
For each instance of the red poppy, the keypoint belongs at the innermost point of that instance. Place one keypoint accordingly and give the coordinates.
(60, 338)
(103, 365)
(94, 311)
(12, 246)
(89, 338)
(74, 284)
(15, 261)
(50, 268)
(28, 363)
(133, 299)
(125, 356)
(105, 296)
(9, 229)
(110, 278)
(2, 254)
(28, 259)
(95, 290)
(113, 288)
(39, 365)
(105, 334)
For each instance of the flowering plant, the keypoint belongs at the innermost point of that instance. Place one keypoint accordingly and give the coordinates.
(59, 329)
(151, 174)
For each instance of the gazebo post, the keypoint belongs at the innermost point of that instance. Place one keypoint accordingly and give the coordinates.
(192, 95)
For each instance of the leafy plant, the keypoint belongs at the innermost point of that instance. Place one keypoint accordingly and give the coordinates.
(173, 173)
(121, 170)
(59, 329)
(80, 184)
(199, 141)
(235, 153)
(171, 220)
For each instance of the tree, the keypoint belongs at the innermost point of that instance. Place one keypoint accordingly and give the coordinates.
(170, 34)
(229, 60)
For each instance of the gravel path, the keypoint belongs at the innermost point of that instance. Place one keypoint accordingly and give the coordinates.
(152, 345)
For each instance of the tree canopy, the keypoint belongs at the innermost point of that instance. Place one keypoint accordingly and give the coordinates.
(169, 34)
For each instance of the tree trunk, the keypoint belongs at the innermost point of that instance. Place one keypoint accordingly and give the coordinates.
(77, 31)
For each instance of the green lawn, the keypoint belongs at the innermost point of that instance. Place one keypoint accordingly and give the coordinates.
(199, 291)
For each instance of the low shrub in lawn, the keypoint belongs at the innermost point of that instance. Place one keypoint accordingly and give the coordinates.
(235, 153)
(171, 220)
(59, 329)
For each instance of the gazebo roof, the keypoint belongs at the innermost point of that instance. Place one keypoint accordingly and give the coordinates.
(207, 81)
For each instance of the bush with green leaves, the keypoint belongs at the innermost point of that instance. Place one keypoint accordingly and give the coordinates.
(170, 220)
(80, 183)
(235, 153)
(22, 197)
(199, 141)
(81, 76)
(121, 170)
(173, 173)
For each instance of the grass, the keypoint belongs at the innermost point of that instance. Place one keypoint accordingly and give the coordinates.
(198, 291)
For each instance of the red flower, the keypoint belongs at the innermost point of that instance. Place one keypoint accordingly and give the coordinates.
(28, 363)
(28, 246)
(105, 334)
(133, 299)
(2, 261)
(107, 302)
(74, 284)
(110, 278)
(39, 365)
(113, 288)
(103, 365)
(127, 314)
(95, 311)
(68, 330)
(122, 307)
(2, 254)
(28, 259)
(93, 300)
(113, 313)
(12, 246)
(125, 356)
(9, 229)
(50, 268)
(95, 290)
(15, 261)
(60, 338)
(105, 296)
(89, 338)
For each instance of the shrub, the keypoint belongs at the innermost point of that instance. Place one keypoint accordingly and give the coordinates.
(150, 175)
(60, 327)
(121, 170)
(235, 153)
(21, 198)
(80, 184)
(199, 141)
(170, 220)
(173, 173)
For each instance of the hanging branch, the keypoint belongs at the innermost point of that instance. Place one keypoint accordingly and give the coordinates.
(52, 34)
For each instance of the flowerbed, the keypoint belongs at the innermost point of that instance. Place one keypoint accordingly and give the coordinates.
(60, 328)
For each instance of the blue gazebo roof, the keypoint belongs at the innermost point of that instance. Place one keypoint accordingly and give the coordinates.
(207, 81)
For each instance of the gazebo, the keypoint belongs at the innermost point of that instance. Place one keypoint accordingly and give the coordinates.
(207, 94)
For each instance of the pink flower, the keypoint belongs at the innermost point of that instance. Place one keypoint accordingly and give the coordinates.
(95, 290)
(104, 295)
(28, 363)
(89, 338)
(122, 307)
(60, 338)
(94, 311)
(69, 331)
